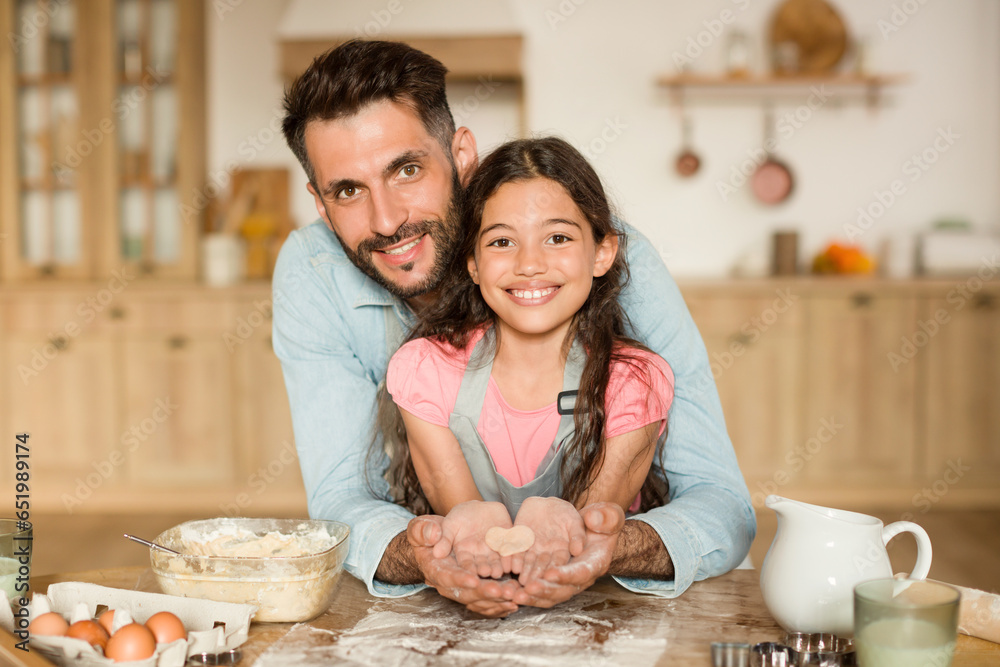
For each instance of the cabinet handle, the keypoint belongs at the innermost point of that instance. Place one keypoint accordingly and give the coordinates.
(59, 342)
(116, 313)
(861, 300)
(177, 342)
(984, 302)
(740, 339)
(47, 270)
(147, 268)
(269, 343)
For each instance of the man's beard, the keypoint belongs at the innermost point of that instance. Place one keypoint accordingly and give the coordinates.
(445, 233)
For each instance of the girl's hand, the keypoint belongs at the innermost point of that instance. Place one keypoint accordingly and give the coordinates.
(559, 534)
(464, 532)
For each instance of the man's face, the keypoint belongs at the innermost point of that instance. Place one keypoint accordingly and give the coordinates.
(387, 189)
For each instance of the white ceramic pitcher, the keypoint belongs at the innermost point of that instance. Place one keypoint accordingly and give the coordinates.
(817, 557)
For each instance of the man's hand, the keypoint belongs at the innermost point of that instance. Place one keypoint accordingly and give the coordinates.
(559, 534)
(482, 596)
(604, 522)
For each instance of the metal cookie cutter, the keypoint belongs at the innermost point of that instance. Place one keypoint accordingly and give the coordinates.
(770, 654)
(232, 657)
(822, 649)
(725, 654)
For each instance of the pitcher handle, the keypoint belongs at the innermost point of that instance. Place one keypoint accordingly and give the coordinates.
(923, 564)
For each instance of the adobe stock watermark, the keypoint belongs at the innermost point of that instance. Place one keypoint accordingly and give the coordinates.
(462, 111)
(122, 107)
(33, 24)
(263, 477)
(381, 18)
(786, 127)
(249, 149)
(609, 134)
(713, 29)
(913, 169)
(751, 331)
(223, 7)
(563, 11)
(87, 311)
(899, 16)
(246, 326)
(797, 458)
(957, 298)
(930, 495)
(131, 439)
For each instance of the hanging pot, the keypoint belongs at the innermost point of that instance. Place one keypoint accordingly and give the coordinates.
(687, 163)
(772, 182)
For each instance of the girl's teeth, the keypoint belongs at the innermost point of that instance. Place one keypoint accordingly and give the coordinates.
(400, 250)
(532, 294)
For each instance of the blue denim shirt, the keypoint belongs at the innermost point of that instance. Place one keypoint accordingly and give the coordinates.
(330, 334)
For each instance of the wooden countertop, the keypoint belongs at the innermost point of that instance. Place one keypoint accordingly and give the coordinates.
(606, 623)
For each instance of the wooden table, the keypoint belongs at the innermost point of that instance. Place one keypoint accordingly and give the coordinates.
(726, 608)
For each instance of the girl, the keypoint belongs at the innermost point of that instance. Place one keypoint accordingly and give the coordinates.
(519, 383)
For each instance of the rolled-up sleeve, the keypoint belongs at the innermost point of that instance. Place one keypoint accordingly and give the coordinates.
(709, 524)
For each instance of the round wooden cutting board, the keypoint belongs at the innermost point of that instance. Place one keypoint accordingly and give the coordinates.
(815, 28)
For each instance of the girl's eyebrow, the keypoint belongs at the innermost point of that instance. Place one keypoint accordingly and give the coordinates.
(549, 222)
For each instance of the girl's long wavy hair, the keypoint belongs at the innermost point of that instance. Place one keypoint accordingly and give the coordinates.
(600, 324)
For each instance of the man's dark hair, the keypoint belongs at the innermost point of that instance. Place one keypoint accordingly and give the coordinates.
(345, 79)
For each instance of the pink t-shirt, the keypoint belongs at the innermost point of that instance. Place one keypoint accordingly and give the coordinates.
(424, 377)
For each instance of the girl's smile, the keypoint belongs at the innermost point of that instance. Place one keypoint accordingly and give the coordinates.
(536, 248)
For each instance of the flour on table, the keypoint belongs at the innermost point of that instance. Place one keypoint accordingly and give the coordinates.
(589, 629)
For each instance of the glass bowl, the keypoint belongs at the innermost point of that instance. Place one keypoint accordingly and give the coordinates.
(288, 568)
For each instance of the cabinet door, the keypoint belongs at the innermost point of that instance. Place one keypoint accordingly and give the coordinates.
(754, 347)
(178, 408)
(962, 359)
(861, 407)
(269, 462)
(61, 390)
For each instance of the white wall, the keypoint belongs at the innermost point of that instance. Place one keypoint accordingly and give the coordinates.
(591, 66)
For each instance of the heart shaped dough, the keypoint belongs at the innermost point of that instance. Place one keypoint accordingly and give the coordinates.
(509, 541)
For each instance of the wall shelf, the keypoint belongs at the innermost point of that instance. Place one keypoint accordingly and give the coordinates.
(868, 87)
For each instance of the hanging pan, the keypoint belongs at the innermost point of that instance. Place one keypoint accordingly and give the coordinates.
(772, 182)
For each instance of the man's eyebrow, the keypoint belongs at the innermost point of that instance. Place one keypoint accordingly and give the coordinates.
(333, 187)
(403, 159)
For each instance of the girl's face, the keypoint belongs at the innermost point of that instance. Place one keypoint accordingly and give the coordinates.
(536, 258)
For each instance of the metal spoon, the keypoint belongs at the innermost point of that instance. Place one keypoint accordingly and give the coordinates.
(152, 545)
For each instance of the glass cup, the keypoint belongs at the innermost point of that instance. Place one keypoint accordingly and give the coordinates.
(15, 557)
(905, 622)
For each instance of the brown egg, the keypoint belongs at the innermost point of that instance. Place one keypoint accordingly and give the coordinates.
(50, 623)
(106, 618)
(90, 632)
(132, 642)
(166, 627)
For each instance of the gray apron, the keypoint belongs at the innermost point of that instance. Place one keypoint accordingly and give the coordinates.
(469, 406)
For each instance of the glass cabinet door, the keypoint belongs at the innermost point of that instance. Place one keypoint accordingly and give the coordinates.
(102, 139)
(147, 142)
(48, 237)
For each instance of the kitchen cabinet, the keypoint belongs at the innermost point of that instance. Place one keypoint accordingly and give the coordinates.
(957, 343)
(755, 350)
(102, 133)
(844, 399)
(150, 395)
(61, 389)
(139, 398)
(860, 409)
(268, 467)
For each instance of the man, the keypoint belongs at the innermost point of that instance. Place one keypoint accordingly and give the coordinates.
(370, 124)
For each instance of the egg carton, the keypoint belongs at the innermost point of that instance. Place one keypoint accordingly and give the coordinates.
(213, 627)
